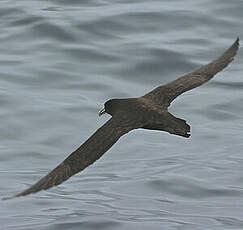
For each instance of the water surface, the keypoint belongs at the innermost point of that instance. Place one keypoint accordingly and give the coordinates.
(60, 60)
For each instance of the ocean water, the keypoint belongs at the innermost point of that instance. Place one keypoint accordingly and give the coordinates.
(60, 60)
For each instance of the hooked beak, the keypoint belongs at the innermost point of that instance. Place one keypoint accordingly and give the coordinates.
(102, 112)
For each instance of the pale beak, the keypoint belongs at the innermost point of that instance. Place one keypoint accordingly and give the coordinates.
(102, 112)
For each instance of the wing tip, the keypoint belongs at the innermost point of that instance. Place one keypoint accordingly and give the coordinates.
(238, 39)
(229, 55)
(237, 42)
(236, 45)
(58, 175)
(234, 49)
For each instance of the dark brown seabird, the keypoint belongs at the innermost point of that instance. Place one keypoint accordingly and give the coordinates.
(148, 112)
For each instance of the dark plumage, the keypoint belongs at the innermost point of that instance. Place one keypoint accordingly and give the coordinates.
(148, 112)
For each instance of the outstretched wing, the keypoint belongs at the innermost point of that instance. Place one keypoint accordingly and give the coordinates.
(165, 94)
(84, 156)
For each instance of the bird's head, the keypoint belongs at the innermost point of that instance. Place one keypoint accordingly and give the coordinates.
(110, 107)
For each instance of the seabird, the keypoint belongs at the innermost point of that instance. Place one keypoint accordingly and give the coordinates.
(147, 112)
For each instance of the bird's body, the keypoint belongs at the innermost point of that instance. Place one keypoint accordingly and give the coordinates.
(148, 112)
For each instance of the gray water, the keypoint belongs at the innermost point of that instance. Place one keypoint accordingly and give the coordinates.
(60, 60)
